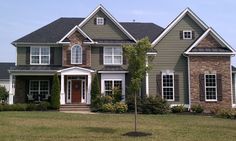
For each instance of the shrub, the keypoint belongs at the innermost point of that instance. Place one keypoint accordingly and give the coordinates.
(116, 95)
(95, 90)
(226, 113)
(154, 105)
(178, 109)
(18, 107)
(197, 108)
(55, 96)
(120, 107)
(3, 94)
(109, 107)
(43, 106)
(31, 107)
(130, 103)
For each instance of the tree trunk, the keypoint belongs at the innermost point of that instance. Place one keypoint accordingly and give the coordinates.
(135, 112)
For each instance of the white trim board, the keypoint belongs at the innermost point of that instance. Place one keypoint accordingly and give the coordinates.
(176, 21)
(216, 37)
(100, 7)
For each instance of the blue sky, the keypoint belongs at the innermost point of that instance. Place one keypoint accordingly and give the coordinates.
(20, 17)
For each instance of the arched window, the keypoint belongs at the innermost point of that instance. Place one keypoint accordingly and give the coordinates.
(76, 54)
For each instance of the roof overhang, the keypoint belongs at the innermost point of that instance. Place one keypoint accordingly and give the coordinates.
(113, 72)
(76, 71)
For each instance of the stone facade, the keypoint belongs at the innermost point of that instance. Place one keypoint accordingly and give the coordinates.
(209, 41)
(210, 64)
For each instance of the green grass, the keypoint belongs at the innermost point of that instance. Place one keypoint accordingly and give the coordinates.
(49, 126)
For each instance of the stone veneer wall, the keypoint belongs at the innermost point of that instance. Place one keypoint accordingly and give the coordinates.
(217, 64)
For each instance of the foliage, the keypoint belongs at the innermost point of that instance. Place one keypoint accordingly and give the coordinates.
(154, 105)
(55, 96)
(120, 107)
(226, 113)
(108, 107)
(3, 94)
(42, 106)
(130, 102)
(95, 91)
(178, 109)
(197, 108)
(116, 95)
(31, 107)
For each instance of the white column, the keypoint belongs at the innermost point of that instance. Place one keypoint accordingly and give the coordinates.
(62, 95)
(147, 79)
(88, 100)
(10, 98)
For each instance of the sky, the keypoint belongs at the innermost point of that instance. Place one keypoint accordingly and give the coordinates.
(20, 17)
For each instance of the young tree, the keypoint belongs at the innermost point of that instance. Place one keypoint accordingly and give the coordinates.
(136, 55)
(3, 94)
(55, 96)
(95, 90)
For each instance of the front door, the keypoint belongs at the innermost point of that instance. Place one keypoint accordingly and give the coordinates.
(76, 91)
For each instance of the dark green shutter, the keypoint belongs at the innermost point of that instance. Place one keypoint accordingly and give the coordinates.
(193, 35)
(219, 87)
(101, 55)
(176, 87)
(159, 85)
(68, 56)
(181, 35)
(84, 56)
(27, 59)
(52, 50)
(201, 87)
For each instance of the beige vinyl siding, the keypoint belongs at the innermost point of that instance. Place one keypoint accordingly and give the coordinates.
(21, 55)
(170, 57)
(107, 31)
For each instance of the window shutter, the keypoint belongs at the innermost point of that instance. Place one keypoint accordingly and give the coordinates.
(84, 56)
(101, 55)
(27, 59)
(176, 87)
(159, 85)
(95, 21)
(52, 50)
(193, 35)
(181, 35)
(219, 87)
(201, 87)
(26, 88)
(105, 20)
(68, 56)
(124, 60)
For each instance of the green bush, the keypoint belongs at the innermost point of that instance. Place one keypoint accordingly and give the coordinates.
(43, 106)
(154, 105)
(116, 95)
(19, 107)
(3, 94)
(55, 96)
(31, 107)
(120, 107)
(197, 108)
(95, 92)
(109, 107)
(226, 113)
(99, 102)
(178, 109)
(130, 103)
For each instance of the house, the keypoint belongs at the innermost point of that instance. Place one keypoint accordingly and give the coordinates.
(192, 63)
(4, 75)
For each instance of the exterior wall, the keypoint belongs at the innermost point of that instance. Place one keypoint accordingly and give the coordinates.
(209, 41)
(107, 31)
(219, 65)
(22, 86)
(21, 55)
(170, 57)
(233, 87)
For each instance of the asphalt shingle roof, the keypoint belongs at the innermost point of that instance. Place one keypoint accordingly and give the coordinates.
(4, 67)
(56, 30)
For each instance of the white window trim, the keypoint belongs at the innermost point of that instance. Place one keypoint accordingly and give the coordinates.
(191, 34)
(81, 53)
(168, 86)
(113, 56)
(113, 80)
(210, 87)
(39, 86)
(40, 55)
(99, 21)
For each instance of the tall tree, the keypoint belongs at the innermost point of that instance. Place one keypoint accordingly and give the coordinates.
(55, 96)
(137, 55)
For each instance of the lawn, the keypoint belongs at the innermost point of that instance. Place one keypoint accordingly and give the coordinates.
(48, 126)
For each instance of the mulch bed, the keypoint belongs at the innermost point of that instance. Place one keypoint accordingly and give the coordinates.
(137, 134)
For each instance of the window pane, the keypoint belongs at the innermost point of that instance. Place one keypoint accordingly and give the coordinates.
(168, 93)
(108, 60)
(211, 93)
(117, 51)
(76, 53)
(45, 60)
(117, 60)
(34, 85)
(44, 85)
(34, 51)
(107, 51)
(108, 87)
(118, 85)
(168, 80)
(45, 51)
(35, 59)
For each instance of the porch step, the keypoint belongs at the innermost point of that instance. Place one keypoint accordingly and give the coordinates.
(75, 107)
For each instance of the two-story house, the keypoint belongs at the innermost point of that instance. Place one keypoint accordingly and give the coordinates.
(192, 63)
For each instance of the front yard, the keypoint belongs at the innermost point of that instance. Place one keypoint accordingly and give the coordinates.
(48, 126)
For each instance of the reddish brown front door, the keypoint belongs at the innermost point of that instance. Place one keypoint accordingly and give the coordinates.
(76, 91)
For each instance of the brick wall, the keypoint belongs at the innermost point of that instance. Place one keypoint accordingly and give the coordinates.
(212, 64)
(209, 41)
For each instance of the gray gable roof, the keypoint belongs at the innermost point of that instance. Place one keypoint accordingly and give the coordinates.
(4, 67)
(56, 30)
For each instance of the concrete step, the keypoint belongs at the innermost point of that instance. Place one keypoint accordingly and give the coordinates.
(75, 107)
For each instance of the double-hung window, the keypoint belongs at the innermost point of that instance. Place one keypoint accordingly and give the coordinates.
(76, 54)
(168, 86)
(99, 21)
(40, 55)
(39, 89)
(187, 34)
(113, 56)
(110, 85)
(210, 87)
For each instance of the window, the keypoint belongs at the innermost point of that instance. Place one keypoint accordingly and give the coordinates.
(168, 87)
(40, 55)
(111, 85)
(39, 89)
(76, 55)
(113, 56)
(99, 21)
(187, 34)
(210, 87)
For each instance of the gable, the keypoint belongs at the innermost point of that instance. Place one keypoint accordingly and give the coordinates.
(209, 41)
(110, 30)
